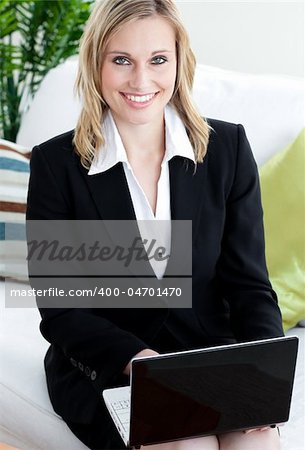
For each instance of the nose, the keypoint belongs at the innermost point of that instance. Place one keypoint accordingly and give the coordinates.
(139, 78)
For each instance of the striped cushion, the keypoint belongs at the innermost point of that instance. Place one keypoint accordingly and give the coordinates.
(14, 178)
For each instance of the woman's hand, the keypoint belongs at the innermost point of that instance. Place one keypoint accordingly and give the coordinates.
(145, 352)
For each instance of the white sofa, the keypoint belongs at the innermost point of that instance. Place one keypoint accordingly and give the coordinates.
(271, 109)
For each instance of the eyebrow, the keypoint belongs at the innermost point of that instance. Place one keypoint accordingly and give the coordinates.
(117, 52)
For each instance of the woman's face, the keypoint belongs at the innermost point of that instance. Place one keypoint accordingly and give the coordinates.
(139, 71)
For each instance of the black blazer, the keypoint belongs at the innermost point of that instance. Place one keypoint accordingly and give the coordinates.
(232, 296)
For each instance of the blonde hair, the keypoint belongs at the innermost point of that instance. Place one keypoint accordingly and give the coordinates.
(106, 19)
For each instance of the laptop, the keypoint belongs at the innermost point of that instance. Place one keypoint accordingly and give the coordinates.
(203, 392)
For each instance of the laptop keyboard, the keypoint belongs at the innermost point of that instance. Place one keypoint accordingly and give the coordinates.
(121, 405)
(122, 411)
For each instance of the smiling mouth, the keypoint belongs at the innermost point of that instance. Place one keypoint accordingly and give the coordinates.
(139, 98)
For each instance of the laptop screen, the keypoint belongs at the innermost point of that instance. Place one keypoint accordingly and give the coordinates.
(211, 391)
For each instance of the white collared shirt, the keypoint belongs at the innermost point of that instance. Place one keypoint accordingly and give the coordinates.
(151, 226)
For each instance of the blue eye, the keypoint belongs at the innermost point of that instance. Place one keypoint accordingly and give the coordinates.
(121, 60)
(159, 60)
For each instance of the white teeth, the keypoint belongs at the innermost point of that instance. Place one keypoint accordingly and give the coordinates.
(139, 99)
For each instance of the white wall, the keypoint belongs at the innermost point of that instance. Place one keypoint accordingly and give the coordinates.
(255, 37)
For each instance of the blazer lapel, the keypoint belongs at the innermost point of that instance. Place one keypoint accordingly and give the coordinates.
(110, 193)
(112, 198)
(187, 190)
(187, 193)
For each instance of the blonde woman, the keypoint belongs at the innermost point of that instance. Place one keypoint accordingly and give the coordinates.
(141, 151)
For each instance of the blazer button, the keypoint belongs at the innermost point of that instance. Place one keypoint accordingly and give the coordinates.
(87, 371)
(93, 375)
(73, 362)
(81, 366)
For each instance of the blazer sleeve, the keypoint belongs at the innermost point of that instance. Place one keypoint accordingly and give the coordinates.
(254, 311)
(82, 335)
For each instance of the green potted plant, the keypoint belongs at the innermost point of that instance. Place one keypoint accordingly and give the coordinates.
(35, 36)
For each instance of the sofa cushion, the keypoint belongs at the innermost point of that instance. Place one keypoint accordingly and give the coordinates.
(283, 196)
(14, 178)
(271, 107)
